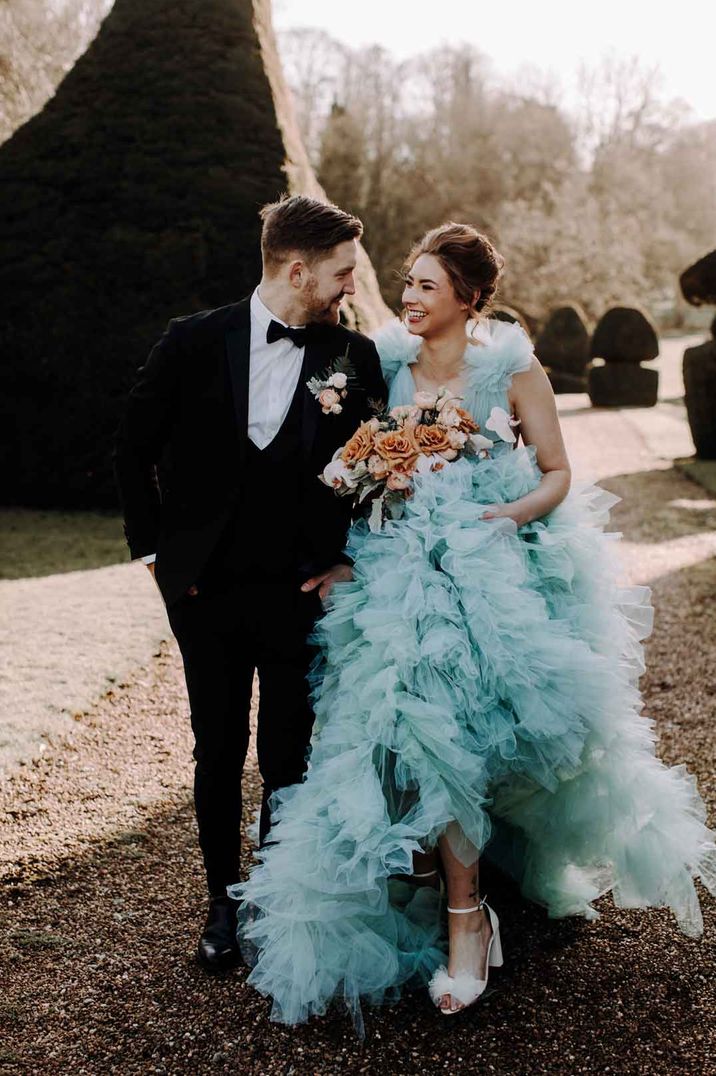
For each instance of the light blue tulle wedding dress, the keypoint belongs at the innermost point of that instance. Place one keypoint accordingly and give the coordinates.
(478, 679)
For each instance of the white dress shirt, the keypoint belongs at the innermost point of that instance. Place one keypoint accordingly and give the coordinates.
(274, 370)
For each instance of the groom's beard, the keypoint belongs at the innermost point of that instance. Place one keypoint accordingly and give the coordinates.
(320, 309)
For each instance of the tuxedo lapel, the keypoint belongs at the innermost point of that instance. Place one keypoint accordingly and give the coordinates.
(238, 351)
(314, 361)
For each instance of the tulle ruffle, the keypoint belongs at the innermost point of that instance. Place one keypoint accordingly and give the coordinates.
(479, 675)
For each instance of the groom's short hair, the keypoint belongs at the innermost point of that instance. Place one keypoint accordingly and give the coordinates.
(305, 226)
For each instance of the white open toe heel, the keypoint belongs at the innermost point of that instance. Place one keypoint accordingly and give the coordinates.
(464, 987)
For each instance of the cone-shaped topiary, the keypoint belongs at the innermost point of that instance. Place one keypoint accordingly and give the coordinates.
(131, 198)
(562, 347)
(698, 282)
(700, 393)
(623, 338)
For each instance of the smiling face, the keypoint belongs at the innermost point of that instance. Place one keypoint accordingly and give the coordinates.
(429, 298)
(326, 280)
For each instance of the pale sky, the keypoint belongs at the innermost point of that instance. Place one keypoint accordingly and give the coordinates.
(553, 35)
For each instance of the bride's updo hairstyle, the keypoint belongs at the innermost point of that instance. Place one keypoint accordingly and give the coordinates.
(468, 258)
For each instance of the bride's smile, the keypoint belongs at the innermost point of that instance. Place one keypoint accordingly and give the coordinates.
(431, 306)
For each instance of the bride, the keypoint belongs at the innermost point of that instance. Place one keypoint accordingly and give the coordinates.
(476, 695)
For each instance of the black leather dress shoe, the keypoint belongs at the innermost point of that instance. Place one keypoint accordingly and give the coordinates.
(218, 948)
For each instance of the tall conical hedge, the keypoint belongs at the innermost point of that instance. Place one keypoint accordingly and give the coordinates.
(132, 197)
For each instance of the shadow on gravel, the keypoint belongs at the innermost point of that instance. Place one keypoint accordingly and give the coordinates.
(649, 512)
(101, 977)
(97, 948)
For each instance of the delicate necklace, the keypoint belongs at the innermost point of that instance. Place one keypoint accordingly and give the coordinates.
(427, 369)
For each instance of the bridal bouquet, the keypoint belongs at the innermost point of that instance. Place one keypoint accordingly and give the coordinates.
(386, 452)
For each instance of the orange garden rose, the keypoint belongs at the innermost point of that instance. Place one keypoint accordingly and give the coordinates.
(432, 439)
(467, 422)
(360, 445)
(388, 453)
(397, 446)
(404, 466)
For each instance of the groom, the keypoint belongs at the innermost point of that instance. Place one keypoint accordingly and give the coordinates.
(217, 458)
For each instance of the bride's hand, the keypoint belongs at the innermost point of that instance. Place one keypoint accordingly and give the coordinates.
(339, 573)
(505, 511)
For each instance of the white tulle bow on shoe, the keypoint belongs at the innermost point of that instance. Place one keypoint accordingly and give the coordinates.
(464, 987)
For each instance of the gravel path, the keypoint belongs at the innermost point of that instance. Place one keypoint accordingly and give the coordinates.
(103, 894)
(64, 640)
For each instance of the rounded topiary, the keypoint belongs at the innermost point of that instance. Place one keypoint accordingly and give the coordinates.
(622, 385)
(700, 395)
(623, 338)
(562, 346)
(624, 334)
(698, 282)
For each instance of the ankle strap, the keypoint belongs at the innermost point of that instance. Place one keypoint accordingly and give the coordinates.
(426, 874)
(465, 911)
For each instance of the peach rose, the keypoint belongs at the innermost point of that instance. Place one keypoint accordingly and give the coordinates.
(328, 399)
(360, 445)
(431, 439)
(397, 446)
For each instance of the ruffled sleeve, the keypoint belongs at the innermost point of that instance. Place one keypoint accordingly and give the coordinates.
(396, 347)
(504, 350)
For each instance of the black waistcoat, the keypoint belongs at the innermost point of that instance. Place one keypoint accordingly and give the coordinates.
(263, 540)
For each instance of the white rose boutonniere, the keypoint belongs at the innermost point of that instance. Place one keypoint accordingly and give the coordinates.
(333, 385)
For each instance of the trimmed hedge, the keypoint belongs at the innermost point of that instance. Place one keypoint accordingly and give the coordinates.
(562, 347)
(131, 198)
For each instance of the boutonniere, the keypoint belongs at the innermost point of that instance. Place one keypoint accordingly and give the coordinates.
(333, 384)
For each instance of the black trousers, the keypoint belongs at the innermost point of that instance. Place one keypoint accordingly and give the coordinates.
(224, 636)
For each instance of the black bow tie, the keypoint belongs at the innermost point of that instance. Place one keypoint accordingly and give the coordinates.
(276, 331)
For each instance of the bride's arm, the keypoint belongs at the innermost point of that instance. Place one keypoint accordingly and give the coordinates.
(533, 401)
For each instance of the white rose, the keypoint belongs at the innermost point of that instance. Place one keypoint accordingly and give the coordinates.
(456, 438)
(449, 417)
(426, 401)
(424, 464)
(336, 474)
(339, 381)
(378, 467)
(480, 443)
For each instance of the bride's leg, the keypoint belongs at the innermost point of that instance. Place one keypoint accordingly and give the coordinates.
(468, 935)
(425, 868)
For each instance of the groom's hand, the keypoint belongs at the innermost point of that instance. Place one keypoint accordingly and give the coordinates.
(339, 573)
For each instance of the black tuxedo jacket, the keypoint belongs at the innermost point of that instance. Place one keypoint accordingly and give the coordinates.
(180, 451)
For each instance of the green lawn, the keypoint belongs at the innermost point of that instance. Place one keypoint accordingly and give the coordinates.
(42, 542)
